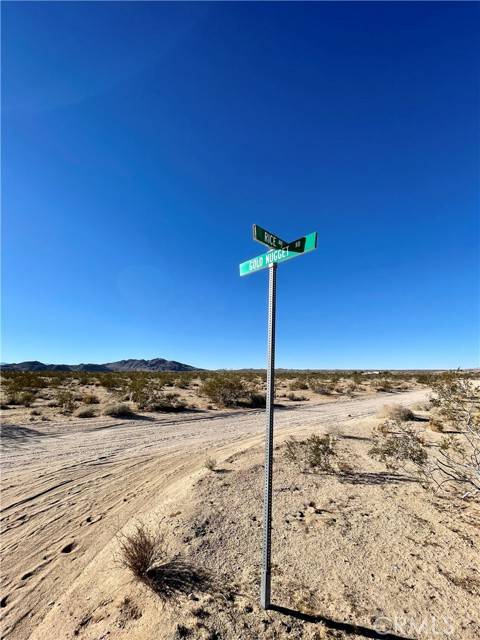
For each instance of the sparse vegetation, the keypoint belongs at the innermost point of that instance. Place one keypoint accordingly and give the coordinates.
(396, 444)
(210, 463)
(397, 412)
(457, 464)
(316, 452)
(86, 412)
(63, 392)
(66, 401)
(225, 390)
(298, 385)
(89, 398)
(144, 554)
(455, 460)
(120, 410)
(294, 398)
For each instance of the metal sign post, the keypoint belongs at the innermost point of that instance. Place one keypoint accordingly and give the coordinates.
(265, 588)
(270, 260)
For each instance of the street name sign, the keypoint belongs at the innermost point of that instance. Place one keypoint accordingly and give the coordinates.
(292, 250)
(265, 237)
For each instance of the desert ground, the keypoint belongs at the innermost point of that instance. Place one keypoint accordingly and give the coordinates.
(358, 552)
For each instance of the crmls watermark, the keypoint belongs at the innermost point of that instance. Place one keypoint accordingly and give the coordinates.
(430, 626)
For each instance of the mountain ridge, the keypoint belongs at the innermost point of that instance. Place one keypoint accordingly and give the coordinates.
(132, 364)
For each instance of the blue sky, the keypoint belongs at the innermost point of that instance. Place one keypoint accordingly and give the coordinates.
(142, 140)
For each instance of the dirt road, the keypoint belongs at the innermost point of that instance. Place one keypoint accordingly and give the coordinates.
(67, 489)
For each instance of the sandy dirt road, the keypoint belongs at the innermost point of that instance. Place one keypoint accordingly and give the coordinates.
(68, 489)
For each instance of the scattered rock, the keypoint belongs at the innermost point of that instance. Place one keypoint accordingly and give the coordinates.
(68, 548)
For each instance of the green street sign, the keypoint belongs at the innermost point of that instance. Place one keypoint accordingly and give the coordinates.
(292, 250)
(265, 237)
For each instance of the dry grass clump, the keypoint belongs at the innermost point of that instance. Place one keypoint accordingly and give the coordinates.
(294, 398)
(86, 412)
(144, 554)
(397, 412)
(120, 410)
(210, 463)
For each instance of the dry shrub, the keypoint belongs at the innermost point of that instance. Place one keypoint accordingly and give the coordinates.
(321, 388)
(455, 461)
(397, 412)
(120, 410)
(255, 400)
(457, 465)
(435, 422)
(316, 452)
(231, 390)
(294, 398)
(298, 385)
(86, 412)
(224, 390)
(65, 401)
(25, 398)
(426, 405)
(168, 402)
(144, 554)
(396, 444)
(89, 398)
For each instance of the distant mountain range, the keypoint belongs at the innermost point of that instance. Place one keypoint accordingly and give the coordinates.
(157, 364)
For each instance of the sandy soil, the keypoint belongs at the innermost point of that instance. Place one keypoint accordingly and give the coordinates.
(363, 548)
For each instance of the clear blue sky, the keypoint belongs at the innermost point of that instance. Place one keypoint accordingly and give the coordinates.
(142, 140)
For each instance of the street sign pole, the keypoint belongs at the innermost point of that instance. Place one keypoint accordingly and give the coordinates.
(280, 251)
(265, 588)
